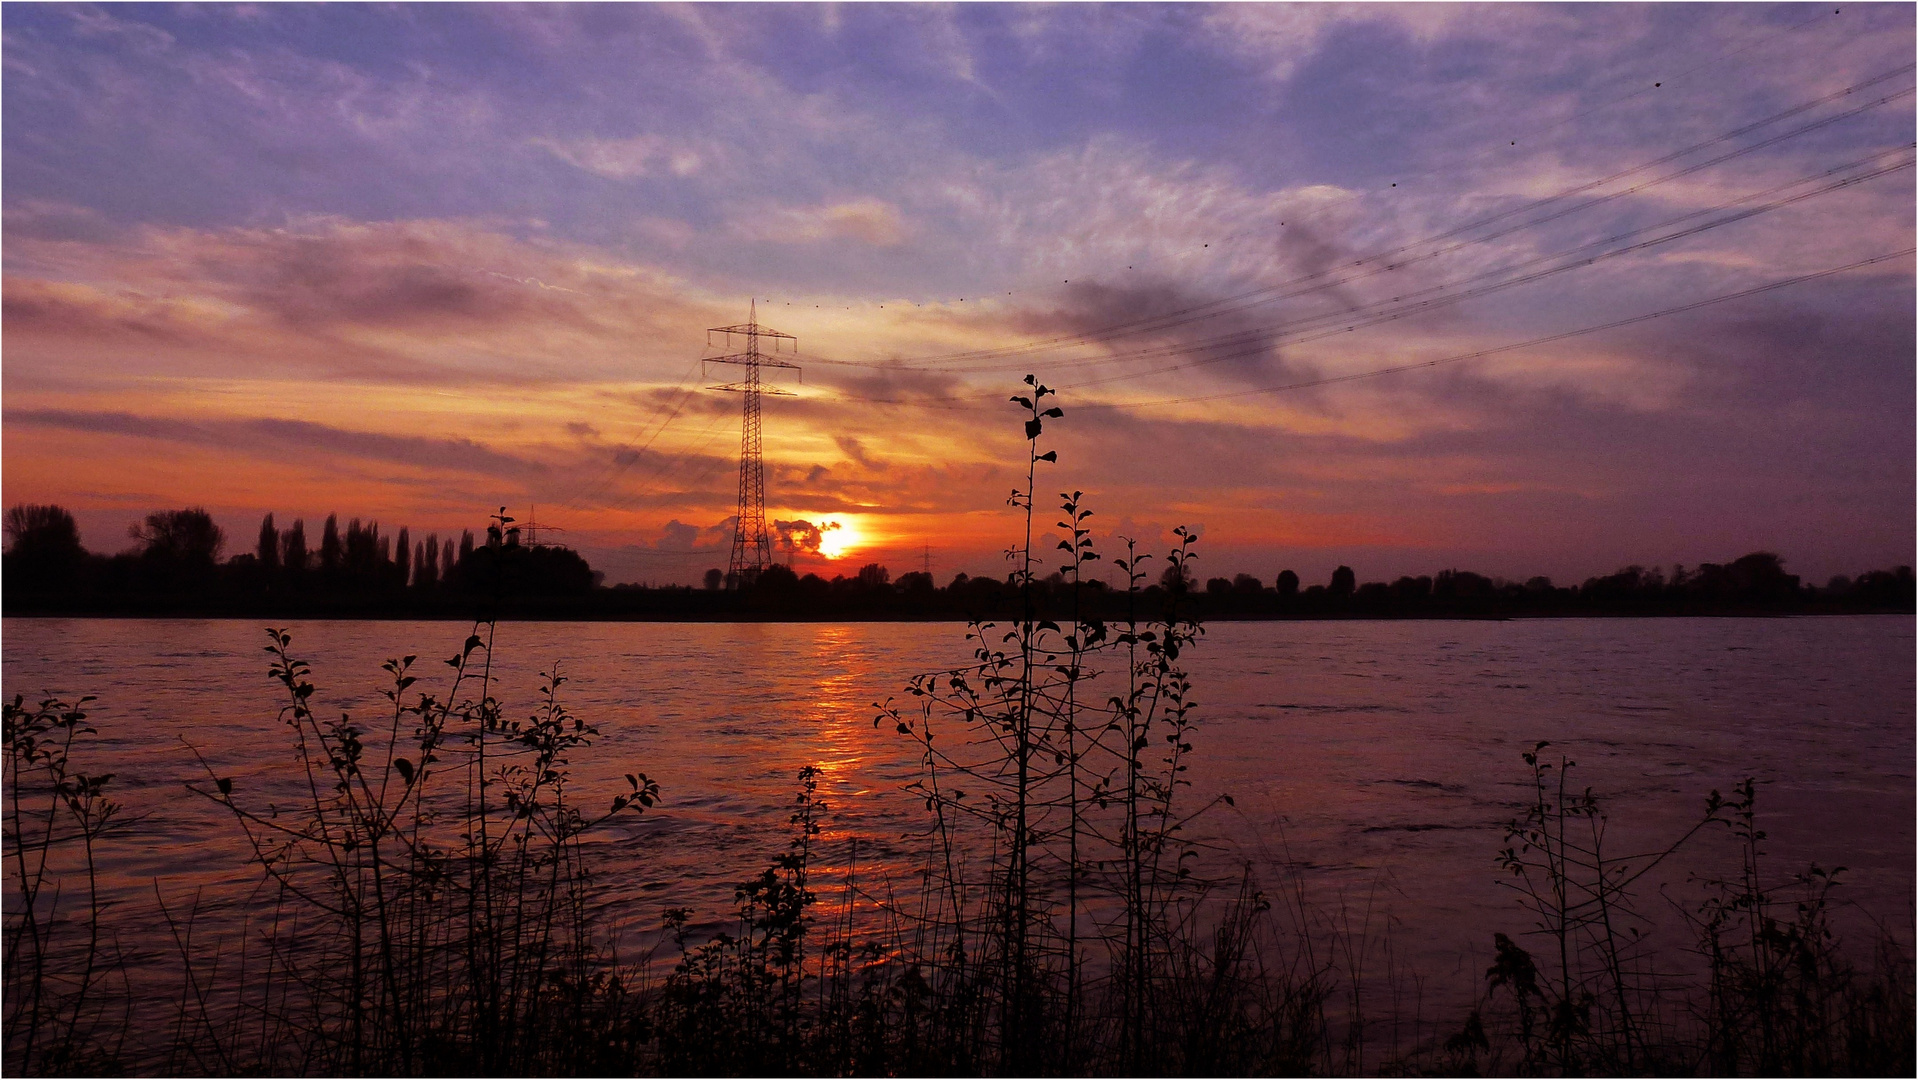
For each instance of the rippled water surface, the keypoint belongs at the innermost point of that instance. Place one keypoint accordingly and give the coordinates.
(1380, 758)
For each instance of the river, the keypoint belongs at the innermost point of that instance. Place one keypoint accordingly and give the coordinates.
(1371, 764)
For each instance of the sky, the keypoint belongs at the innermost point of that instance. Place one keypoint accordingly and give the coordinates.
(1644, 273)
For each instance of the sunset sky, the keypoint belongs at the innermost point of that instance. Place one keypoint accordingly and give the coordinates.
(412, 263)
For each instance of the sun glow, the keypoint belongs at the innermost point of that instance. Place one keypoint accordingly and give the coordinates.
(836, 538)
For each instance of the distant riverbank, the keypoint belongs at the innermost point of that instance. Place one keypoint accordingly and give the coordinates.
(362, 573)
(993, 602)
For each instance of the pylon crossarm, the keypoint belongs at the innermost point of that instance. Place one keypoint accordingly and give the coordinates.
(749, 328)
(762, 388)
(747, 359)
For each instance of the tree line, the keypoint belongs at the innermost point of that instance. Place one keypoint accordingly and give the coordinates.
(1752, 584)
(179, 565)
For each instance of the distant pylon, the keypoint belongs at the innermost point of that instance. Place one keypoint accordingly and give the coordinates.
(752, 547)
(534, 526)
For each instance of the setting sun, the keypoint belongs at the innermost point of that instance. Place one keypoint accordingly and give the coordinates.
(836, 538)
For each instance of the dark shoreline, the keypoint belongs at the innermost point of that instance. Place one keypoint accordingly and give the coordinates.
(548, 613)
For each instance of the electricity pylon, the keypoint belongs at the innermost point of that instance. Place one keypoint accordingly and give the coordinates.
(752, 548)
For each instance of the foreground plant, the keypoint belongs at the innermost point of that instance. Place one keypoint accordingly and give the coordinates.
(1061, 896)
(428, 894)
(65, 977)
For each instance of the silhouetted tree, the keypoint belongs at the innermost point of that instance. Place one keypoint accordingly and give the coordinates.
(1460, 585)
(330, 546)
(715, 578)
(37, 531)
(183, 536)
(1287, 584)
(1343, 582)
(1413, 588)
(1885, 588)
(1761, 576)
(268, 551)
(403, 557)
(874, 576)
(1247, 585)
(510, 570)
(776, 579)
(293, 554)
(43, 550)
(180, 549)
(1176, 579)
(466, 545)
(362, 555)
(1218, 586)
(1633, 583)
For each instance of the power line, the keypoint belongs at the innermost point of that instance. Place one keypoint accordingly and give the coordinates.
(1515, 346)
(1391, 315)
(1525, 134)
(1264, 294)
(629, 454)
(1318, 327)
(667, 465)
(1396, 369)
(1274, 334)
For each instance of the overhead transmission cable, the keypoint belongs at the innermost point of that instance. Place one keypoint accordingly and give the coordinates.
(1385, 312)
(1528, 133)
(1213, 308)
(1547, 339)
(629, 454)
(1584, 254)
(1306, 322)
(1440, 169)
(666, 466)
(1329, 324)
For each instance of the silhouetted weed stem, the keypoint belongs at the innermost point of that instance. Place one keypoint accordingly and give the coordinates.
(1078, 546)
(378, 857)
(1028, 753)
(55, 1018)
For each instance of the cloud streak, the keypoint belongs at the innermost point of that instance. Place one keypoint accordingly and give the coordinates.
(278, 438)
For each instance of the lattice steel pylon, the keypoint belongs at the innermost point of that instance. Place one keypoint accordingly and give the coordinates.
(752, 547)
